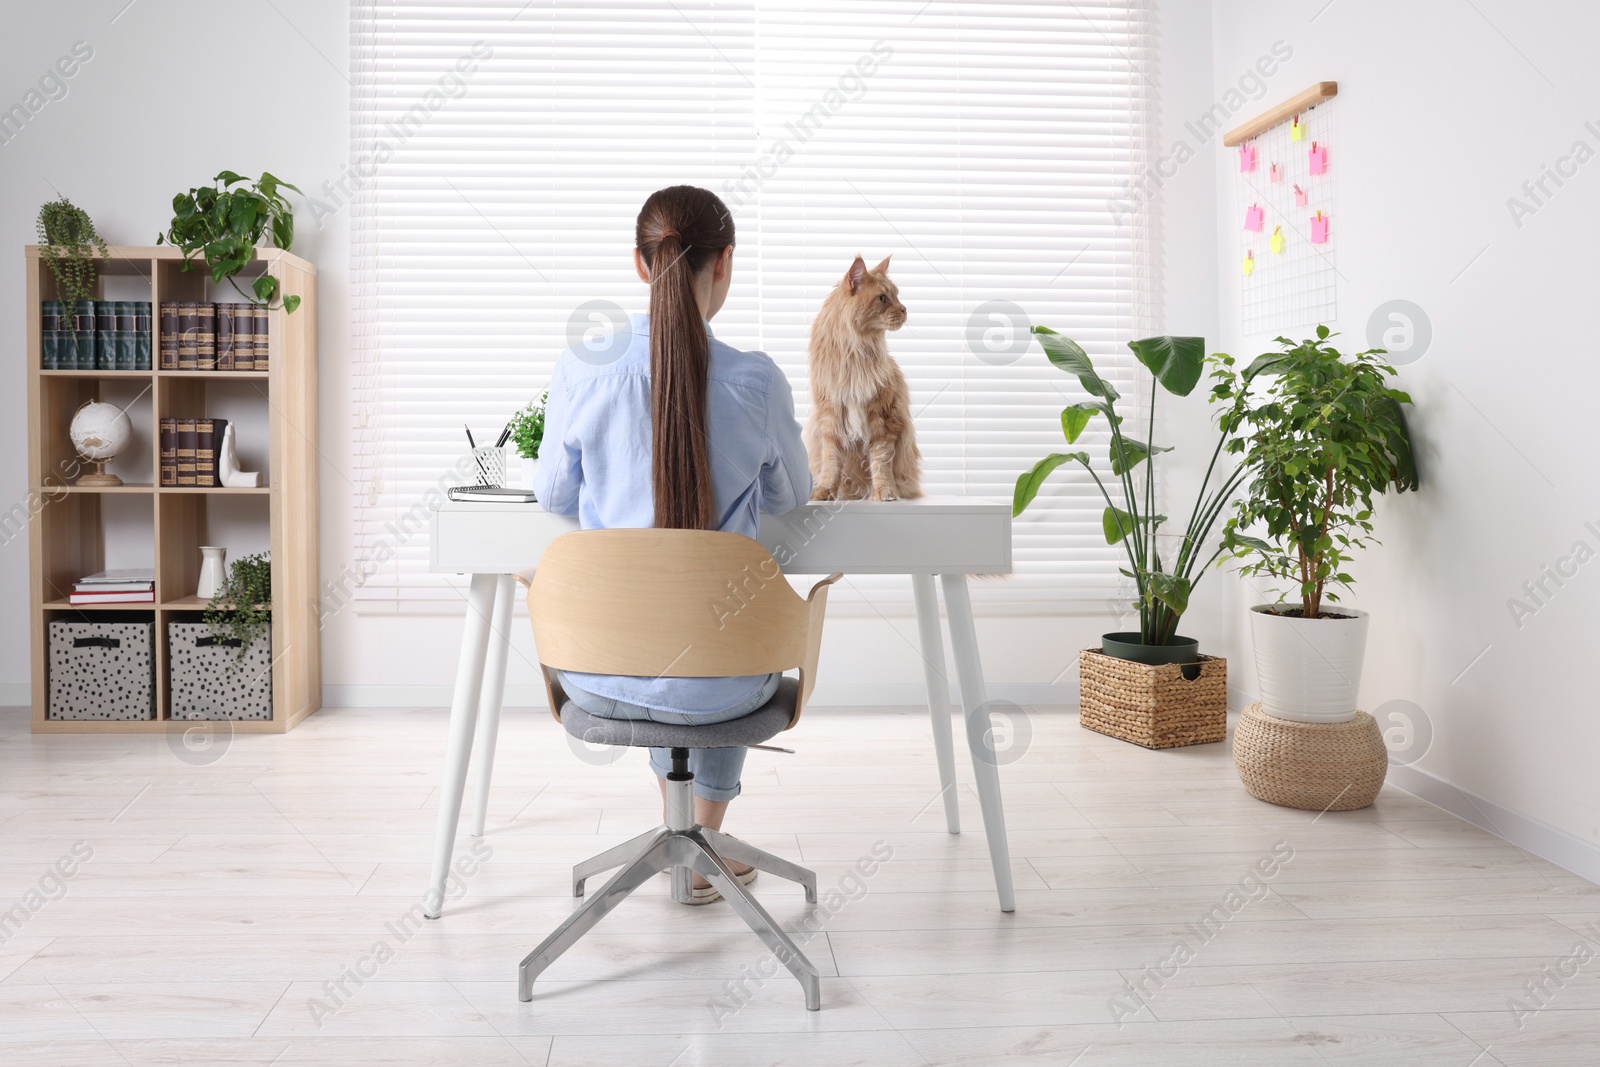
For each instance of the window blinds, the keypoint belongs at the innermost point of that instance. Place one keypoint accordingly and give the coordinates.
(502, 150)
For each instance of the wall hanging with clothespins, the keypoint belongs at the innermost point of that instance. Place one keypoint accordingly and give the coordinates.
(1294, 285)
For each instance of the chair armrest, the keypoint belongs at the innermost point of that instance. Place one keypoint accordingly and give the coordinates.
(817, 608)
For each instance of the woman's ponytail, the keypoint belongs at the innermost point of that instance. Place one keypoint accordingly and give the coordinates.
(680, 231)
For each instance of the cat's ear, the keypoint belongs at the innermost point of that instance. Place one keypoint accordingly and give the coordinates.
(883, 267)
(856, 274)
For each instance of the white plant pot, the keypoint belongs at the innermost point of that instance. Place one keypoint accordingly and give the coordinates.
(1309, 670)
(530, 471)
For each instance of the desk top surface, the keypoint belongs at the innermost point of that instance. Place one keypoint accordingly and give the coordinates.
(926, 505)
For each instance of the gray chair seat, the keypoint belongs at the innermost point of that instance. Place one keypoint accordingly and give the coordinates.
(760, 725)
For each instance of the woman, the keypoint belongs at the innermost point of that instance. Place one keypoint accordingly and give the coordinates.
(671, 428)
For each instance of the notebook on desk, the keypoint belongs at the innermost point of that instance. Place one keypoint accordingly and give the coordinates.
(492, 494)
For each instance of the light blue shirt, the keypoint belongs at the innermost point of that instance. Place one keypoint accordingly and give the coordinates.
(595, 463)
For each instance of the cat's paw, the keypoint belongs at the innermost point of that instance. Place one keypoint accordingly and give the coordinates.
(883, 492)
(823, 492)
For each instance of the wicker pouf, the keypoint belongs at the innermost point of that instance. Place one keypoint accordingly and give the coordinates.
(1318, 766)
(1155, 706)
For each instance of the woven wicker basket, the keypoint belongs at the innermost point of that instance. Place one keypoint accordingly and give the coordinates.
(1317, 766)
(1153, 706)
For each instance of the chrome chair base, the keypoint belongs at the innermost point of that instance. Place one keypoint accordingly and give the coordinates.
(680, 850)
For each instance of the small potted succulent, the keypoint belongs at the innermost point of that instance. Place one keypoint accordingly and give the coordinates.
(1326, 435)
(527, 433)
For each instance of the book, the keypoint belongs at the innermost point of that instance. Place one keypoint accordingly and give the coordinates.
(169, 334)
(206, 354)
(258, 336)
(113, 587)
(147, 596)
(50, 329)
(141, 335)
(188, 335)
(123, 339)
(83, 315)
(124, 574)
(169, 451)
(244, 338)
(208, 439)
(188, 434)
(494, 493)
(226, 313)
(105, 335)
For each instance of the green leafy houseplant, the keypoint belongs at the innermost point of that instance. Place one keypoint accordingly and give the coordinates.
(69, 241)
(1325, 436)
(527, 427)
(1163, 584)
(224, 224)
(242, 609)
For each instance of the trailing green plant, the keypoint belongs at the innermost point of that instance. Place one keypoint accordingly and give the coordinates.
(69, 241)
(1326, 435)
(527, 427)
(242, 609)
(224, 225)
(1163, 586)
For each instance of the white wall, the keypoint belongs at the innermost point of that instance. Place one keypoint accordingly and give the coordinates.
(1444, 111)
(150, 115)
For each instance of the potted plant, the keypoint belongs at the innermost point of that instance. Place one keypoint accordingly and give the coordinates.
(224, 224)
(527, 433)
(1326, 435)
(1163, 583)
(69, 242)
(241, 609)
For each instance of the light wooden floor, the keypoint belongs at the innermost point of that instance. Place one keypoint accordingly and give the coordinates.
(222, 896)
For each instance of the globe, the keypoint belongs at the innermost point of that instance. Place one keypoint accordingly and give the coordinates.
(100, 431)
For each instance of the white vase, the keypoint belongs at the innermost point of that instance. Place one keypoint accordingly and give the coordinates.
(1309, 670)
(530, 471)
(213, 571)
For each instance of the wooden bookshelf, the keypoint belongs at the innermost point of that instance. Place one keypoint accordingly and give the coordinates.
(66, 531)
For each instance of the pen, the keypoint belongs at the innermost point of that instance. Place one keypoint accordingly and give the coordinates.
(504, 434)
(470, 441)
(476, 458)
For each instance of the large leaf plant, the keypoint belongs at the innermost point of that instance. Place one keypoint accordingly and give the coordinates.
(1163, 583)
(224, 223)
(1325, 436)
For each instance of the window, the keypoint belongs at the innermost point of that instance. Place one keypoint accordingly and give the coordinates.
(501, 152)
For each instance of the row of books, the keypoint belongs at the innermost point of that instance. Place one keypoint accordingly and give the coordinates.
(95, 335)
(189, 451)
(199, 336)
(136, 586)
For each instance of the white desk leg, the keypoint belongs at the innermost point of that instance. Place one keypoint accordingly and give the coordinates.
(463, 714)
(974, 698)
(938, 683)
(494, 691)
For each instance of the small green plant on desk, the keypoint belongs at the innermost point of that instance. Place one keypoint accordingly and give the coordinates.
(242, 609)
(70, 241)
(527, 427)
(224, 224)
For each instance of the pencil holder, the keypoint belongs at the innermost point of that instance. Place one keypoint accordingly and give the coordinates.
(489, 466)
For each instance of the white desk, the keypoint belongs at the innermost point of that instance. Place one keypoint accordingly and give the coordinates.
(951, 537)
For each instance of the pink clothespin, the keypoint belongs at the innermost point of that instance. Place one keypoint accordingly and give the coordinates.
(1247, 158)
(1275, 173)
(1299, 197)
(1254, 217)
(1249, 262)
(1319, 229)
(1319, 158)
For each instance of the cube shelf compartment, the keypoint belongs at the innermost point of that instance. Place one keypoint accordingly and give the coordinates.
(72, 529)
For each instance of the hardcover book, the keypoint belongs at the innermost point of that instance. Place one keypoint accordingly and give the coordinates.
(105, 335)
(188, 440)
(83, 314)
(226, 314)
(50, 329)
(141, 335)
(208, 436)
(127, 330)
(244, 338)
(169, 451)
(206, 356)
(169, 334)
(188, 335)
(258, 323)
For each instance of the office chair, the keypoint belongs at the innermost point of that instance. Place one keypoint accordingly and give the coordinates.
(679, 604)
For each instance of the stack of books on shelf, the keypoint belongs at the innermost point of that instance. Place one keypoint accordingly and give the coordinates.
(201, 336)
(136, 586)
(189, 451)
(95, 335)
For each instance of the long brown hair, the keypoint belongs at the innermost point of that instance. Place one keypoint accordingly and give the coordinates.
(679, 232)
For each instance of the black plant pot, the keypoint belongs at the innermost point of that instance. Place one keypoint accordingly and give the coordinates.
(1127, 646)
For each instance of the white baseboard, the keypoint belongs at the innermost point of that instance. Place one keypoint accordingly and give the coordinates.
(827, 694)
(1540, 838)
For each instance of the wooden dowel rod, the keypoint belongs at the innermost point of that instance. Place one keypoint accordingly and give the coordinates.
(1290, 107)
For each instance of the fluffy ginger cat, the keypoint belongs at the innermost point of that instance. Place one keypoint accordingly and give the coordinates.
(859, 436)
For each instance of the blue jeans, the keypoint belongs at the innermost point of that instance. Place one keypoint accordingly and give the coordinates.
(716, 770)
